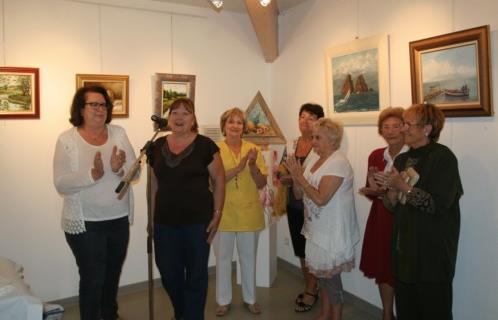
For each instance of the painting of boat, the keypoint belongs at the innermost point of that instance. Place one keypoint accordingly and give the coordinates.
(462, 92)
(344, 100)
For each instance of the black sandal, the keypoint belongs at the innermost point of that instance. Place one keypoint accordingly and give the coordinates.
(304, 307)
(299, 298)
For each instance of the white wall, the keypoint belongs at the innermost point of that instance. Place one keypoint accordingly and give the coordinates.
(298, 76)
(135, 38)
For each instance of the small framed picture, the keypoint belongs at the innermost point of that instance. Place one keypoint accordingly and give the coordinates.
(170, 87)
(19, 93)
(117, 87)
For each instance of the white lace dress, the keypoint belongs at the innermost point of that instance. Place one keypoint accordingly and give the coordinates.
(331, 230)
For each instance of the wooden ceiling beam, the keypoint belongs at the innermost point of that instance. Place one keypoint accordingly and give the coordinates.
(265, 23)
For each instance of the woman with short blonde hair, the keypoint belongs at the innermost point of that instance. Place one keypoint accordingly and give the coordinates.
(330, 227)
(242, 218)
(376, 251)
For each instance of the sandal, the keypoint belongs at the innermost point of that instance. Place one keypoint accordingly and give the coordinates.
(254, 308)
(301, 306)
(222, 310)
(299, 298)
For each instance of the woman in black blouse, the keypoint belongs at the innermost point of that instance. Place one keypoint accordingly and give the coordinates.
(187, 212)
(427, 217)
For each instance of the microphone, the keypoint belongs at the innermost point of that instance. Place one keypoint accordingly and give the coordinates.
(161, 122)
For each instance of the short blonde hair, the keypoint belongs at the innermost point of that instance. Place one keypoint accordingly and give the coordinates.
(390, 112)
(233, 112)
(332, 129)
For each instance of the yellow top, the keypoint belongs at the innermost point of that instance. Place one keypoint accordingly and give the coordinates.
(242, 210)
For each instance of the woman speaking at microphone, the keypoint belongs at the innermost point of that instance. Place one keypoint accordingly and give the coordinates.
(187, 210)
(89, 161)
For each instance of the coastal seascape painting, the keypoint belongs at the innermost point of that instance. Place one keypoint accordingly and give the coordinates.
(450, 75)
(19, 93)
(358, 80)
(452, 71)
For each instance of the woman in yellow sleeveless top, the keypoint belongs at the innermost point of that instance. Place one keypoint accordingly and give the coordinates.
(242, 217)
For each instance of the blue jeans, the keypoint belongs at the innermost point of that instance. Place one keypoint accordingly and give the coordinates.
(182, 254)
(100, 253)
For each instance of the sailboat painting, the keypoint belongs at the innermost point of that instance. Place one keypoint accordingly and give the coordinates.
(356, 81)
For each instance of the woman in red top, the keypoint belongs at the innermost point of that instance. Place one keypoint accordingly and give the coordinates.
(376, 253)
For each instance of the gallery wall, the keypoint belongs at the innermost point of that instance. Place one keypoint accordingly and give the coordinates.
(298, 75)
(135, 38)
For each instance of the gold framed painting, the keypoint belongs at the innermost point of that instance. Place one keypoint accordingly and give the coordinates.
(19, 93)
(262, 128)
(358, 80)
(117, 87)
(453, 71)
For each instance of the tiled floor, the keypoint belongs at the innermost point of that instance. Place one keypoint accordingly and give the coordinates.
(277, 303)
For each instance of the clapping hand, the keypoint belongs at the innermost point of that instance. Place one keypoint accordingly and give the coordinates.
(393, 180)
(118, 158)
(242, 163)
(98, 166)
(252, 155)
(294, 167)
(372, 188)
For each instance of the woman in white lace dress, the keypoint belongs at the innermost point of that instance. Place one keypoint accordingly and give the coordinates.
(330, 226)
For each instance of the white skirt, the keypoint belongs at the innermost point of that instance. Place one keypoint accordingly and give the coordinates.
(324, 264)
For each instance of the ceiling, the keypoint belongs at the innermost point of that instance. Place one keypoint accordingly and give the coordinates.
(236, 5)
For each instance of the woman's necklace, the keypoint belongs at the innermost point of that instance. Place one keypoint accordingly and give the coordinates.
(235, 154)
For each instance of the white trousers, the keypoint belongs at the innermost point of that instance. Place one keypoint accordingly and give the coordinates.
(247, 245)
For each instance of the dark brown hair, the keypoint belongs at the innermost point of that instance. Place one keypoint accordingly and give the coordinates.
(79, 101)
(312, 108)
(189, 106)
(428, 114)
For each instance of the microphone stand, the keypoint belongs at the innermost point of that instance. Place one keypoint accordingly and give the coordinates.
(121, 190)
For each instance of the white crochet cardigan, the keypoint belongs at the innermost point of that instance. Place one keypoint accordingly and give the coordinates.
(69, 181)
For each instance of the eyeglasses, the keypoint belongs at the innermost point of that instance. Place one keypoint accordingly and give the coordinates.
(96, 106)
(410, 125)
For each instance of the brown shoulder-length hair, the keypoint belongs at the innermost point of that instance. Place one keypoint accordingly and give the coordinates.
(189, 106)
(428, 114)
(79, 101)
(233, 112)
(389, 112)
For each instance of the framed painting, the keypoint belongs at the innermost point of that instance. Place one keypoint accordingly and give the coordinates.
(19, 93)
(117, 88)
(262, 128)
(170, 87)
(453, 71)
(358, 80)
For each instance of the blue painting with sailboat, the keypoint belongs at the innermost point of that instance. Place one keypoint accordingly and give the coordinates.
(355, 81)
(450, 75)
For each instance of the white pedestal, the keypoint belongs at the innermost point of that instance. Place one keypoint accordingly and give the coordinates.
(266, 263)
